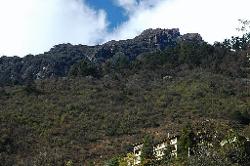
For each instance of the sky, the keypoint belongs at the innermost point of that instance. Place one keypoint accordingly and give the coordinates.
(35, 26)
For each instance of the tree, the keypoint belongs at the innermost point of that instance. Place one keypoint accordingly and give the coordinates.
(147, 154)
(167, 156)
(241, 117)
(30, 88)
(186, 141)
(128, 160)
(30, 85)
(207, 156)
(43, 159)
(69, 163)
(240, 43)
(244, 26)
(116, 63)
(83, 68)
(237, 151)
(120, 60)
(3, 92)
(113, 162)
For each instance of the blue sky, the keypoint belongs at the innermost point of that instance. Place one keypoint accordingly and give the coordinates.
(115, 14)
(35, 26)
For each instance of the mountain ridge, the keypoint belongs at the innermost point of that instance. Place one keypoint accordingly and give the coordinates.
(58, 61)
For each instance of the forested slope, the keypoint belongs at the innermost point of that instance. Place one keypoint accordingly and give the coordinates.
(96, 111)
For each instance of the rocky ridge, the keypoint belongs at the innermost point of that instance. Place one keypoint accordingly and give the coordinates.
(57, 61)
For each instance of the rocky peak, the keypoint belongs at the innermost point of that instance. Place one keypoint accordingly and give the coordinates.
(160, 32)
(149, 40)
(158, 35)
(192, 37)
(58, 61)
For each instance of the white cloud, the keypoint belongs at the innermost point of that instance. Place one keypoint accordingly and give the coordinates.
(34, 26)
(213, 19)
(128, 5)
(132, 6)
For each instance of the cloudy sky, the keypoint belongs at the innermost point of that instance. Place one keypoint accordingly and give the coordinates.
(34, 26)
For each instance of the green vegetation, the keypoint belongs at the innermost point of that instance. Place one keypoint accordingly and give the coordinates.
(79, 119)
(83, 68)
(186, 142)
(147, 154)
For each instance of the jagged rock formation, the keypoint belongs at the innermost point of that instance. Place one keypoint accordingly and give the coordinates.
(60, 58)
(192, 37)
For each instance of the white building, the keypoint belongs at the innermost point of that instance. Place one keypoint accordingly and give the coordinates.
(137, 153)
(158, 149)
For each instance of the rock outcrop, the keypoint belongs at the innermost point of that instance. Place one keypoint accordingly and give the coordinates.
(57, 61)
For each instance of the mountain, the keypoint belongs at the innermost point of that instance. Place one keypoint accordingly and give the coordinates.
(58, 61)
(87, 104)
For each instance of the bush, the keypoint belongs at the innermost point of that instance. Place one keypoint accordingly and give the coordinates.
(243, 118)
(83, 68)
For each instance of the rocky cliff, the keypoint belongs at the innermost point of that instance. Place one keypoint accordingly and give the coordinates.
(57, 61)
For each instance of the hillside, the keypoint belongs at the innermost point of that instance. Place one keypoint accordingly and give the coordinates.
(84, 104)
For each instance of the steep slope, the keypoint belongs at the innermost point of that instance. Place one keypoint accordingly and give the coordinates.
(153, 84)
(58, 61)
(86, 119)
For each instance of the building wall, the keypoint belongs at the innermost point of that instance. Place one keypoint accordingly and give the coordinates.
(158, 149)
(137, 153)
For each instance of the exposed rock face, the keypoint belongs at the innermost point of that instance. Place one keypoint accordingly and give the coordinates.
(60, 58)
(192, 37)
(148, 41)
(159, 36)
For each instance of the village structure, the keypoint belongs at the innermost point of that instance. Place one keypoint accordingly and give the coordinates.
(158, 149)
(171, 142)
